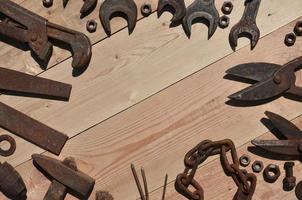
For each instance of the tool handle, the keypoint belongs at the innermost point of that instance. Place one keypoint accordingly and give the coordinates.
(251, 10)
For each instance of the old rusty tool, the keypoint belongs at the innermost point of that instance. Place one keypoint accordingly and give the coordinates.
(247, 26)
(88, 6)
(201, 9)
(272, 80)
(290, 146)
(11, 183)
(144, 195)
(186, 185)
(109, 8)
(12, 145)
(65, 178)
(178, 6)
(26, 27)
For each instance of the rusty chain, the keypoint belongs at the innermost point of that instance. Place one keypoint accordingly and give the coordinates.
(246, 182)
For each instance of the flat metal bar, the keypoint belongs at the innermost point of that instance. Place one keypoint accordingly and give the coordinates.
(31, 130)
(20, 82)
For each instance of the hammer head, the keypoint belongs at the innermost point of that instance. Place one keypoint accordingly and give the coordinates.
(75, 181)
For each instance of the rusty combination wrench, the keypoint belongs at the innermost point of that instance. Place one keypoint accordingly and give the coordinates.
(204, 9)
(247, 26)
(178, 6)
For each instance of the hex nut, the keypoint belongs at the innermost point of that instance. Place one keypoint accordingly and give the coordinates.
(271, 173)
(47, 3)
(227, 7)
(257, 166)
(298, 28)
(146, 9)
(245, 160)
(224, 21)
(91, 26)
(290, 39)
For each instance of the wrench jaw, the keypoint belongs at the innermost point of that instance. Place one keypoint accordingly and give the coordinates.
(89, 6)
(65, 3)
(178, 6)
(211, 22)
(250, 31)
(81, 52)
(123, 8)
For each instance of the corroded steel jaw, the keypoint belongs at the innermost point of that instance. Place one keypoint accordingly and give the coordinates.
(178, 6)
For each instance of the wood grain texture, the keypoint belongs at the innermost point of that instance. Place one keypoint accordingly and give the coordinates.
(21, 60)
(126, 70)
(157, 132)
(211, 177)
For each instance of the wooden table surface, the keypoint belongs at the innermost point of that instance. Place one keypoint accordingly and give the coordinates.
(149, 97)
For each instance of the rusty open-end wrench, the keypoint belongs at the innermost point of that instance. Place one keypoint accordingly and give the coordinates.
(247, 26)
(88, 6)
(204, 9)
(178, 6)
(26, 27)
(126, 7)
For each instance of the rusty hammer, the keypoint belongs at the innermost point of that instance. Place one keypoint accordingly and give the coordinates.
(65, 178)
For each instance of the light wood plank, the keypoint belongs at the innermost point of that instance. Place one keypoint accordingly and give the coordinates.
(218, 186)
(126, 70)
(18, 59)
(157, 132)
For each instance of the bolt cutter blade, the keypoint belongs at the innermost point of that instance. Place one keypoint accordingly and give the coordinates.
(286, 128)
(282, 147)
(254, 71)
(260, 91)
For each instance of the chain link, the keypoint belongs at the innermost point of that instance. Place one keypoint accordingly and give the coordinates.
(246, 182)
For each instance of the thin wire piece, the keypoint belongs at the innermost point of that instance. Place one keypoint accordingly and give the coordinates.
(145, 183)
(165, 187)
(138, 184)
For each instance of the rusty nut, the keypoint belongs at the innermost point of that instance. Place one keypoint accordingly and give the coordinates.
(271, 173)
(257, 166)
(146, 9)
(91, 26)
(298, 28)
(47, 3)
(224, 21)
(290, 39)
(245, 160)
(227, 7)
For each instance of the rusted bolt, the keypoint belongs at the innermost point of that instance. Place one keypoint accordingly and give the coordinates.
(257, 166)
(290, 39)
(91, 26)
(298, 28)
(245, 160)
(277, 79)
(289, 182)
(271, 173)
(47, 3)
(224, 21)
(146, 9)
(227, 7)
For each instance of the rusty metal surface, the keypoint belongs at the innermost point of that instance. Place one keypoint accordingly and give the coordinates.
(272, 80)
(12, 145)
(201, 9)
(75, 181)
(111, 7)
(298, 190)
(271, 173)
(20, 82)
(289, 147)
(246, 182)
(247, 25)
(31, 130)
(26, 27)
(289, 182)
(178, 6)
(88, 6)
(11, 183)
(103, 195)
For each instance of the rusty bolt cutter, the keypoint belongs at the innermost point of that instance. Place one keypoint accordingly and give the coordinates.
(290, 146)
(21, 124)
(27, 27)
(272, 80)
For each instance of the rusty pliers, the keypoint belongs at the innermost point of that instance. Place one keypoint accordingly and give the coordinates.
(272, 80)
(290, 145)
(24, 26)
